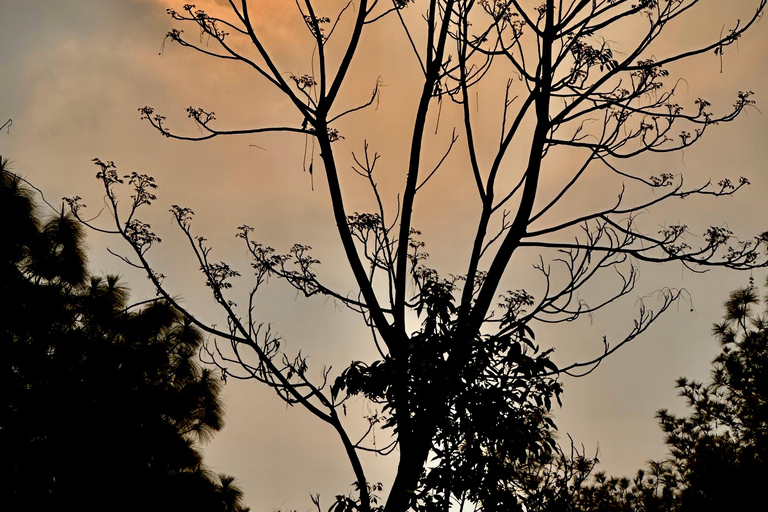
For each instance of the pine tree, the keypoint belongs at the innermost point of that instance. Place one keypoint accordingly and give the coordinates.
(103, 404)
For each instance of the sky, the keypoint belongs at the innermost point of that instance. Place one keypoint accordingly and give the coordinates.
(75, 73)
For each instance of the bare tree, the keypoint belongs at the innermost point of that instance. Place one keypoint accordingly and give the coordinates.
(467, 389)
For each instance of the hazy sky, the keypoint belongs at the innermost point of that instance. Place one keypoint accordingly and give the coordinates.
(75, 72)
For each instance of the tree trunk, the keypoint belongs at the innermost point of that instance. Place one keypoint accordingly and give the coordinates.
(414, 451)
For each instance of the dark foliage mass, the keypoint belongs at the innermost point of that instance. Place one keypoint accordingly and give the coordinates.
(102, 405)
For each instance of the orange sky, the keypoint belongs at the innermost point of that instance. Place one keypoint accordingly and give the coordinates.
(74, 76)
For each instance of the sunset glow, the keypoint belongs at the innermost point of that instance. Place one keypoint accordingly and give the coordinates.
(75, 75)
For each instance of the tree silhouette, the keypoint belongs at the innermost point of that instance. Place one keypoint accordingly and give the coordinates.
(718, 451)
(103, 404)
(721, 448)
(464, 389)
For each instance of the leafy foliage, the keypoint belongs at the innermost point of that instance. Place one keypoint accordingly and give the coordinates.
(488, 397)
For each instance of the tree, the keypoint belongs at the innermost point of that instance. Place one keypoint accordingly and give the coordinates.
(718, 451)
(103, 402)
(464, 389)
